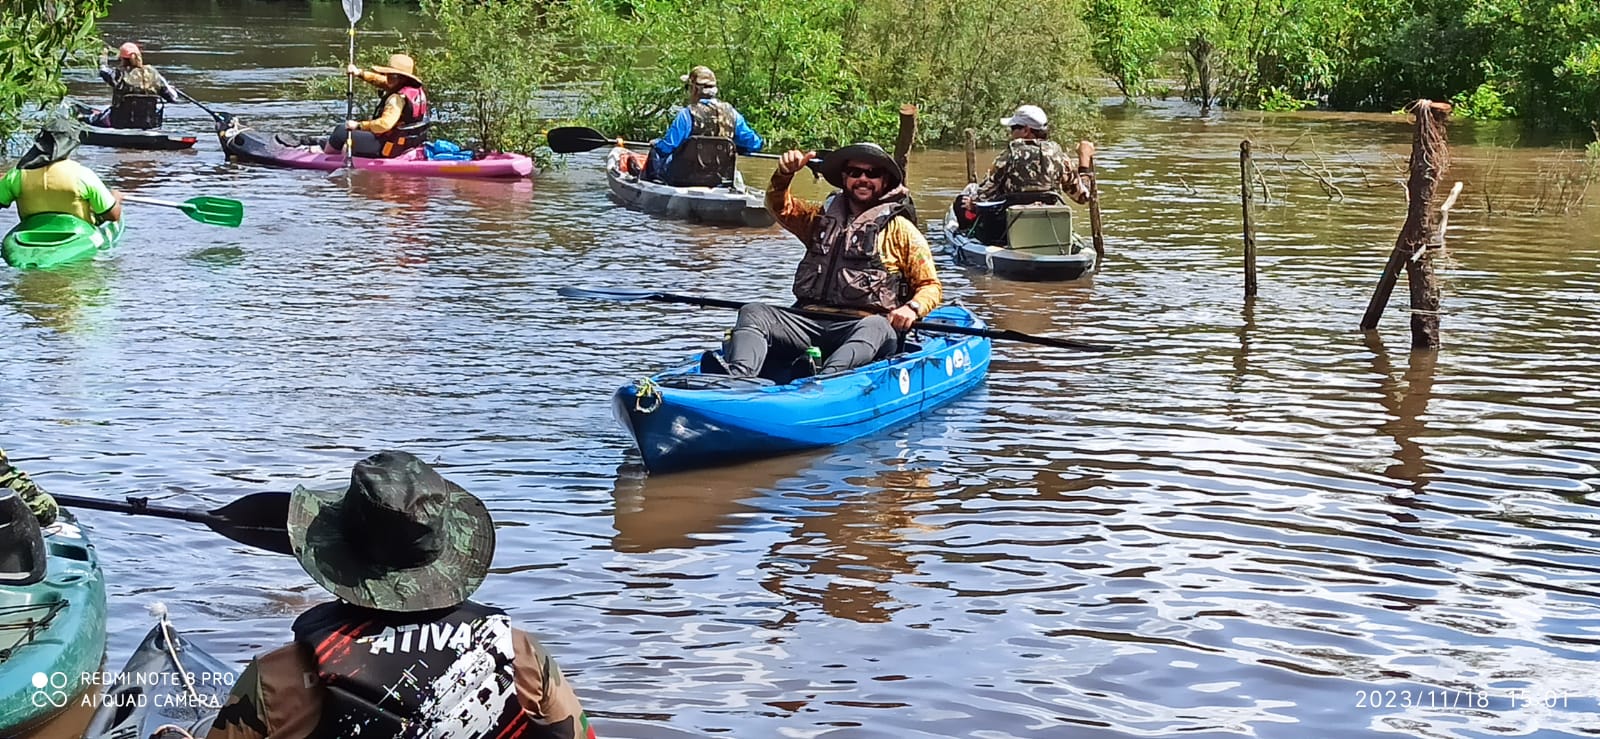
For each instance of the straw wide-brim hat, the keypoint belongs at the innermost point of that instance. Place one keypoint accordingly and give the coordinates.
(400, 64)
(400, 538)
(832, 166)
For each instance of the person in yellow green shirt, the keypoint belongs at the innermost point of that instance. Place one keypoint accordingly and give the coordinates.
(46, 180)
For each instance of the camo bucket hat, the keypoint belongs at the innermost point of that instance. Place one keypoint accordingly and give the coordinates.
(400, 538)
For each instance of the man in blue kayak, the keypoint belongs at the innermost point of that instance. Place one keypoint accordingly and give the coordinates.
(402, 652)
(136, 91)
(864, 258)
(16, 482)
(46, 180)
(705, 133)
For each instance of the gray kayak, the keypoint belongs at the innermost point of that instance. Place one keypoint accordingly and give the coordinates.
(168, 682)
(722, 206)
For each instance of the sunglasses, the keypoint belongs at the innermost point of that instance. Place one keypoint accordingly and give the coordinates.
(1017, 127)
(871, 173)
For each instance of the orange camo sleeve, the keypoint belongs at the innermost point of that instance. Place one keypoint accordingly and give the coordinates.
(905, 248)
(797, 216)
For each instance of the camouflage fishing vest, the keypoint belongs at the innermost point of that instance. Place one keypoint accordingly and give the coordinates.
(1033, 165)
(389, 675)
(712, 118)
(842, 268)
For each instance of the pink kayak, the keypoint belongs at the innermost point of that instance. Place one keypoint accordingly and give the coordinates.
(248, 145)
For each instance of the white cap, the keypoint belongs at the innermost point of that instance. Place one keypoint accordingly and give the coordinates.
(1031, 116)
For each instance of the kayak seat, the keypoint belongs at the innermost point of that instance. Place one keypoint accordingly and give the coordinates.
(137, 111)
(702, 161)
(22, 552)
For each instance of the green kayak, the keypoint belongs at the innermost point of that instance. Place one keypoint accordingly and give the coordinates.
(53, 632)
(45, 240)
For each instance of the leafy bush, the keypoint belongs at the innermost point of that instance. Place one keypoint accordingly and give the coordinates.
(38, 39)
(1485, 103)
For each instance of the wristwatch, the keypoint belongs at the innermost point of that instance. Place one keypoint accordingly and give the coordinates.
(914, 306)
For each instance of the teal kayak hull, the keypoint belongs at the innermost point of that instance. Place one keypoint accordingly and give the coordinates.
(46, 240)
(52, 632)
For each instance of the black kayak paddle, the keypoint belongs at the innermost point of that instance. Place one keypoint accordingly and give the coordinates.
(929, 326)
(578, 139)
(259, 520)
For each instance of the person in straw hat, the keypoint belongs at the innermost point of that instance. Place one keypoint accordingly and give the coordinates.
(864, 255)
(403, 652)
(401, 120)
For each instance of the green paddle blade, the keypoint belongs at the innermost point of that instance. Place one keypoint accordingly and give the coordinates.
(215, 211)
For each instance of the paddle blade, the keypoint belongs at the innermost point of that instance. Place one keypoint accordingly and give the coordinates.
(591, 293)
(575, 139)
(215, 211)
(352, 10)
(259, 520)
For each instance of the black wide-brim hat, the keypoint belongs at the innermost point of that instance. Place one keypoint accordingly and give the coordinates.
(832, 167)
(400, 538)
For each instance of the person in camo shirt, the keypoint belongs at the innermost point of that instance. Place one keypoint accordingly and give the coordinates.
(43, 506)
(402, 652)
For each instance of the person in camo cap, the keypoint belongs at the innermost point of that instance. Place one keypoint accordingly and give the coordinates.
(402, 652)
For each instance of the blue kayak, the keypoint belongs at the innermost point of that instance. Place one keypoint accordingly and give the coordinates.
(683, 419)
(52, 632)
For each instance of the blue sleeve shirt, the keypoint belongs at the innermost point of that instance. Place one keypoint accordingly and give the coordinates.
(745, 138)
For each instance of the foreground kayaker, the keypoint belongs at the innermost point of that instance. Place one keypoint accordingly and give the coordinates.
(46, 180)
(703, 117)
(43, 506)
(135, 87)
(863, 255)
(403, 652)
(1031, 169)
(401, 120)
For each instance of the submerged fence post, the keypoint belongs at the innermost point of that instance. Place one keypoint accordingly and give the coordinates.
(908, 134)
(972, 155)
(1245, 164)
(1086, 165)
(1429, 158)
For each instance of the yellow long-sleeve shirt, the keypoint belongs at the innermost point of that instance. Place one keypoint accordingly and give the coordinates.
(901, 246)
(393, 106)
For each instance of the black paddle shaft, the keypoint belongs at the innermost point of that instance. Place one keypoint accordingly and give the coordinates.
(259, 520)
(930, 326)
(577, 139)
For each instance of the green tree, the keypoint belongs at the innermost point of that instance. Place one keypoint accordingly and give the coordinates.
(965, 64)
(38, 39)
(1130, 38)
(486, 73)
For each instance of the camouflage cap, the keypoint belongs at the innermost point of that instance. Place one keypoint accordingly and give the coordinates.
(400, 538)
(700, 77)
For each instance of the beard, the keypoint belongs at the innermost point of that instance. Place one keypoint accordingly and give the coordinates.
(865, 193)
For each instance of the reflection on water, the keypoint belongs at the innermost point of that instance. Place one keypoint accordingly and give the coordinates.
(1246, 521)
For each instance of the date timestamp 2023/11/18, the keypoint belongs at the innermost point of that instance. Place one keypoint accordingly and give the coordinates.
(1483, 699)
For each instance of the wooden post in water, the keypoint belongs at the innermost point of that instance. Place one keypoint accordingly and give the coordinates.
(972, 155)
(1086, 165)
(908, 134)
(1249, 230)
(1429, 158)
